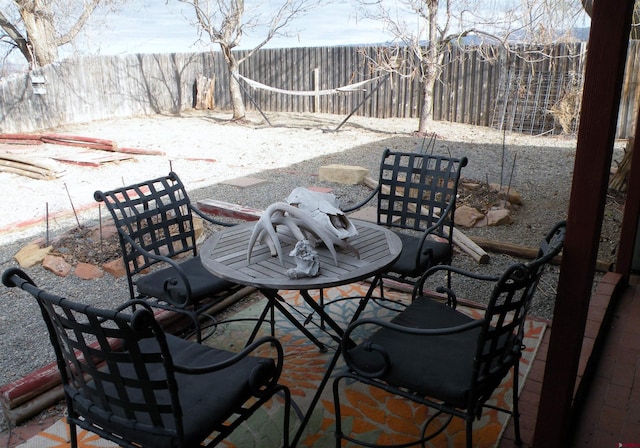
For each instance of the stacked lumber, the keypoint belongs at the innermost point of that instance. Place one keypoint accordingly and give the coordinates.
(36, 169)
(27, 167)
(75, 140)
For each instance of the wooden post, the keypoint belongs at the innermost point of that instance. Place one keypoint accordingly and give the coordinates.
(607, 50)
(316, 87)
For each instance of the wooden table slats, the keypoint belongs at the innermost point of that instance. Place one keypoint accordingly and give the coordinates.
(225, 255)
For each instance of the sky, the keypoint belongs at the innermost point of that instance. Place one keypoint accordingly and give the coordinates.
(161, 26)
(152, 26)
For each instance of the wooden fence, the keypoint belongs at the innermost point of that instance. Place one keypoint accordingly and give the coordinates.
(504, 92)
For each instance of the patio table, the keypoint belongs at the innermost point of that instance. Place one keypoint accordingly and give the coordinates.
(225, 255)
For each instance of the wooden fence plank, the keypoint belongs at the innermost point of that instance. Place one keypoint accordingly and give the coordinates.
(471, 88)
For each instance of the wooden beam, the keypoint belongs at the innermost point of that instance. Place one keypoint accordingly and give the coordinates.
(607, 53)
(527, 252)
(221, 208)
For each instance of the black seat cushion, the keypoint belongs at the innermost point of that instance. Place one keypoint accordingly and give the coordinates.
(439, 366)
(230, 385)
(201, 412)
(203, 283)
(434, 252)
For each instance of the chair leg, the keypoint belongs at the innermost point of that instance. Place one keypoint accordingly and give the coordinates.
(73, 434)
(287, 417)
(321, 301)
(469, 431)
(516, 410)
(381, 288)
(267, 309)
(338, 418)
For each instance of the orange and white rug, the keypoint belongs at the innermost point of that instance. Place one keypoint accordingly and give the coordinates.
(371, 414)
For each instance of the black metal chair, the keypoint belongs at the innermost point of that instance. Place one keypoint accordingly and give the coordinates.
(436, 356)
(128, 381)
(417, 193)
(154, 219)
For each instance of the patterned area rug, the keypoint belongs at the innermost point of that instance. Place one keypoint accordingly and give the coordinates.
(370, 414)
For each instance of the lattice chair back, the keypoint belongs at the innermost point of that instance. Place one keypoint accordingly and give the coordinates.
(129, 382)
(438, 356)
(500, 340)
(417, 189)
(502, 334)
(155, 214)
(116, 369)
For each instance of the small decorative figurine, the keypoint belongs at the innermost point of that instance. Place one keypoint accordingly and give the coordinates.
(307, 264)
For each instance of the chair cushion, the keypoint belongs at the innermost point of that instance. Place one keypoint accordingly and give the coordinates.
(433, 250)
(207, 400)
(203, 283)
(436, 366)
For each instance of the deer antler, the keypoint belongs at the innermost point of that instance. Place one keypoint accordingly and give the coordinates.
(298, 222)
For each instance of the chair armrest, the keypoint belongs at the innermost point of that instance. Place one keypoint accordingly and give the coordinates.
(209, 218)
(347, 345)
(275, 344)
(174, 264)
(418, 288)
(440, 223)
(363, 202)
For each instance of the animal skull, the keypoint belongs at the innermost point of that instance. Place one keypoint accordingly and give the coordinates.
(302, 226)
(323, 208)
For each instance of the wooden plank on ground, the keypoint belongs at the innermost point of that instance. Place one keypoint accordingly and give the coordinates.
(221, 208)
(519, 251)
(92, 157)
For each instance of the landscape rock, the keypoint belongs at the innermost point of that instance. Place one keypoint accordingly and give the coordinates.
(31, 254)
(343, 174)
(508, 193)
(88, 271)
(57, 265)
(115, 267)
(467, 216)
(499, 217)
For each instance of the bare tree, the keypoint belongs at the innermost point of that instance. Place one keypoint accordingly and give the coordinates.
(424, 30)
(225, 22)
(37, 28)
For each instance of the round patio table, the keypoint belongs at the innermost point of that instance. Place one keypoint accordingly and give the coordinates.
(376, 248)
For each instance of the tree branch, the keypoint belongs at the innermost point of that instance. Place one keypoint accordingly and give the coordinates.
(77, 26)
(16, 36)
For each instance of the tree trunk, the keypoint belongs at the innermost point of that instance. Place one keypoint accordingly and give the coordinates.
(429, 64)
(427, 107)
(237, 103)
(41, 35)
(429, 76)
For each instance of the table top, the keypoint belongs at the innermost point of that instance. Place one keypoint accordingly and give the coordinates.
(225, 255)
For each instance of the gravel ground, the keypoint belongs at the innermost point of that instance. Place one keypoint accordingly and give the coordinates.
(542, 174)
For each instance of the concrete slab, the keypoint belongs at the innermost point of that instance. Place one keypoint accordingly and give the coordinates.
(244, 182)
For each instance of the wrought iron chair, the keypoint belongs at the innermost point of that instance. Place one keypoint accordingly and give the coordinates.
(129, 382)
(436, 356)
(416, 193)
(154, 219)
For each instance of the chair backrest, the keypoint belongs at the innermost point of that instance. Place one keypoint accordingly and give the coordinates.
(156, 215)
(116, 368)
(416, 189)
(500, 341)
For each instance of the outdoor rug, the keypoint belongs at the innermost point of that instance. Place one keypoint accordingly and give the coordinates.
(369, 413)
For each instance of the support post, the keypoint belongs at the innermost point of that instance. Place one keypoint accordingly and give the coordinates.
(316, 87)
(607, 55)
